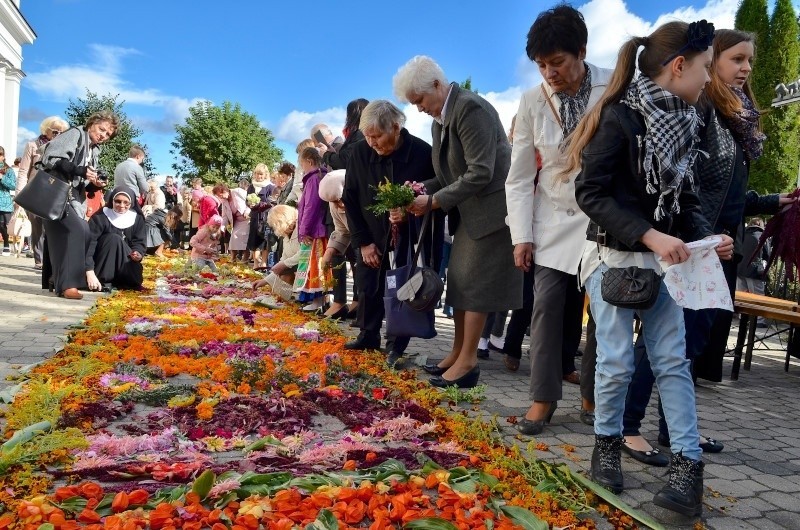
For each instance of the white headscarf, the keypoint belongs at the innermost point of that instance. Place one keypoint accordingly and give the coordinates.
(121, 220)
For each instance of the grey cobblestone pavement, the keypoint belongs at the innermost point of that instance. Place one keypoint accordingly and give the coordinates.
(753, 484)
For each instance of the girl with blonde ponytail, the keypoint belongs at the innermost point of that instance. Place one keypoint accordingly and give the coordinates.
(636, 151)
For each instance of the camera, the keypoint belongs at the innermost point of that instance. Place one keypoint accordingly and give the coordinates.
(102, 177)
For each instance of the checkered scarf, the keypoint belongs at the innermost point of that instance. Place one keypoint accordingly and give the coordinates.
(574, 107)
(670, 141)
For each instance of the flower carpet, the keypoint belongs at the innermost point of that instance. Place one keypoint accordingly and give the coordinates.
(201, 403)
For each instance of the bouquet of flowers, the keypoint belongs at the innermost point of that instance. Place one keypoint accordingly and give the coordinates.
(252, 200)
(390, 195)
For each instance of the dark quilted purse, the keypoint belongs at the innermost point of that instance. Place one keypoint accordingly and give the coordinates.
(631, 287)
(424, 288)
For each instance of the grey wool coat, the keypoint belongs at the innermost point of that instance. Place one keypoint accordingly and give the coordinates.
(471, 156)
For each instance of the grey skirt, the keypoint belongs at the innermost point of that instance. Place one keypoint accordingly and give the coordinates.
(481, 275)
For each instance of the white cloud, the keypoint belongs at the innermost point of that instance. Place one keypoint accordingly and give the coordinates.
(103, 74)
(23, 137)
(296, 126)
(610, 24)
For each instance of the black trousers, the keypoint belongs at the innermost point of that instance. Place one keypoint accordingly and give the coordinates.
(67, 240)
(555, 331)
(37, 237)
(371, 286)
(520, 319)
(5, 220)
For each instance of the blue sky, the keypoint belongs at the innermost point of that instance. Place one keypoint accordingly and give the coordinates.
(293, 64)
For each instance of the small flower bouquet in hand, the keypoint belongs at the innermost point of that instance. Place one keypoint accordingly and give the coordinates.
(252, 199)
(390, 195)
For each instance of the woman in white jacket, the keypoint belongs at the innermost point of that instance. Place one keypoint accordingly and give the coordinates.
(548, 229)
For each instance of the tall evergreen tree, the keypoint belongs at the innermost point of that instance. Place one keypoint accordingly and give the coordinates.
(777, 169)
(752, 16)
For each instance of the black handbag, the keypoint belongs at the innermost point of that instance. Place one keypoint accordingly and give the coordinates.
(44, 195)
(630, 287)
(401, 319)
(424, 288)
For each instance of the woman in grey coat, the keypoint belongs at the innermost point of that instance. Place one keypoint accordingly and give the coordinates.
(72, 156)
(471, 156)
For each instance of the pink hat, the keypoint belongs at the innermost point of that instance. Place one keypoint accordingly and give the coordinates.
(198, 194)
(215, 220)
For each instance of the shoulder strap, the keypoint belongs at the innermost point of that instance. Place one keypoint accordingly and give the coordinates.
(552, 107)
(426, 221)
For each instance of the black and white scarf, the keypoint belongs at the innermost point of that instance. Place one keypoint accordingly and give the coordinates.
(670, 143)
(574, 107)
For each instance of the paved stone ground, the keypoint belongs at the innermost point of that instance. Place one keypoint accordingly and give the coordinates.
(753, 484)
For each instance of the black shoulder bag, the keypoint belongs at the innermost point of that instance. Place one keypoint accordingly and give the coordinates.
(424, 288)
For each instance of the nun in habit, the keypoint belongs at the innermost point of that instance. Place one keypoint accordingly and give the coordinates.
(117, 243)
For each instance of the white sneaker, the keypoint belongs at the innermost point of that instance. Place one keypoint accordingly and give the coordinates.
(6, 252)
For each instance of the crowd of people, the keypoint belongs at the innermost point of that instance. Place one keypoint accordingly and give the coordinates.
(601, 171)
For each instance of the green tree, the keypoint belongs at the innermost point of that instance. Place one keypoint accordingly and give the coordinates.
(776, 170)
(467, 84)
(753, 16)
(115, 150)
(221, 143)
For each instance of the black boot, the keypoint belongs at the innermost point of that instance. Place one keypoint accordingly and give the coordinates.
(364, 341)
(684, 491)
(606, 462)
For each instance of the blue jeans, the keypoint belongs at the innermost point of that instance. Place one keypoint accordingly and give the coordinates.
(664, 336)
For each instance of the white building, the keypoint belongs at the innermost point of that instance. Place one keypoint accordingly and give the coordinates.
(14, 32)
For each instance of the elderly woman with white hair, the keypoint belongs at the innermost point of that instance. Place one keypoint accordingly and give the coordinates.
(388, 152)
(283, 220)
(330, 191)
(49, 129)
(471, 155)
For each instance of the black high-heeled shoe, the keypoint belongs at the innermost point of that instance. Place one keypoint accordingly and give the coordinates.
(341, 314)
(435, 369)
(468, 380)
(534, 427)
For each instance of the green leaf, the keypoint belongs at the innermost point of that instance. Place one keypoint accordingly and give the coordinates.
(487, 479)
(203, 484)
(325, 521)
(25, 435)
(72, 505)
(46, 526)
(7, 395)
(262, 442)
(430, 466)
(524, 518)
(612, 499)
(269, 479)
(464, 485)
(430, 523)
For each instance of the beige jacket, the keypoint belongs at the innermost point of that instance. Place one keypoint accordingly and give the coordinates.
(550, 218)
(340, 237)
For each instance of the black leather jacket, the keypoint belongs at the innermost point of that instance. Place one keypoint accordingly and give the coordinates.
(611, 187)
(724, 165)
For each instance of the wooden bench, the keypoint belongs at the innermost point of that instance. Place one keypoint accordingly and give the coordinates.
(763, 306)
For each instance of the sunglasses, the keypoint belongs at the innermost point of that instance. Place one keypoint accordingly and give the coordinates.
(55, 132)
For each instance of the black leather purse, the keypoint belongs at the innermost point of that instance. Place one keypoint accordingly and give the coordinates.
(630, 287)
(44, 195)
(424, 287)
